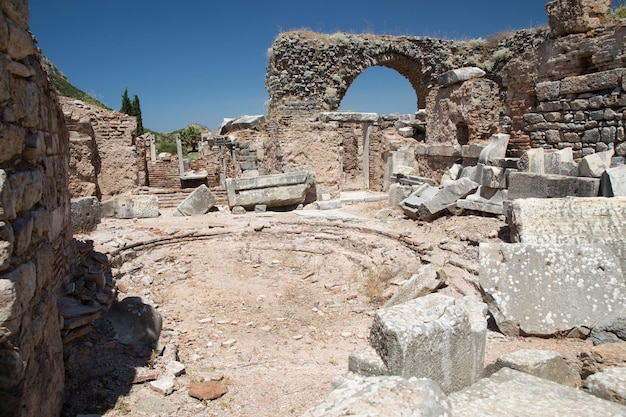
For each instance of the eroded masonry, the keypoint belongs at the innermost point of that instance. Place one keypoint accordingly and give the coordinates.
(500, 125)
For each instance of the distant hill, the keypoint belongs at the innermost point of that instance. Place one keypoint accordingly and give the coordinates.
(64, 87)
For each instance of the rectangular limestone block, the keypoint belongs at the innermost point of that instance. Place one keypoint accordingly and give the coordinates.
(570, 220)
(550, 289)
(531, 185)
(436, 337)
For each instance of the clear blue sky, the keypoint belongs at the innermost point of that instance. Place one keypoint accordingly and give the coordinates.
(202, 61)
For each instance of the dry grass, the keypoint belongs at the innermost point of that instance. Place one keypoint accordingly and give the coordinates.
(375, 283)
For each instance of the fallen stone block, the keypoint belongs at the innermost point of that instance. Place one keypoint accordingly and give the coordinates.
(609, 384)
(546, 364)
(383, 395)
(613, 182)
(516, 394)
(131, 207)
(459, 75)
(367, 362)
(549, 221)
(411, 204)
(425, 282)
(437, 205)
(486, 200)
(86, 214)
(496, 149)
(135, 322)
(397, 193)
(550, 289)
(490, 176)
(530, 185)
(594, 165)
(271, 190)
(610, 329)
(532, 160)
(199, 202)
(239, 123)
(560, 162)
(435, 336)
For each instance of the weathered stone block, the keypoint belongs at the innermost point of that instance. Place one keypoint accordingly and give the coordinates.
(594, 165)
(532, 160)
(550, 289)
(17, 289)
(547, 91)
(131, 207)
(490, 176)
(549, 221)
(614, 182)
(546, 364)
(199, 202)
(86, 214)
(609, 384)
(438, 203)
(610, 329)
(530, 185)
(435, 337)
(424, 282)
(513, 393)
(271, 190)
(486, 200)
(602, 80)
(459, 75)
(367, 362)
(577, 16)
(384, 395)
(496, 149)
(339, 116)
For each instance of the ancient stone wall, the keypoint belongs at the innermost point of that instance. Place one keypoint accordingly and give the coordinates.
(35, 230)
(121, 157)
(570, 92)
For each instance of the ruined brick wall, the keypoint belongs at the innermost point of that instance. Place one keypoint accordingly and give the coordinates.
(122, 166)
(35, 229)
(308, 73)
(164, 174)
(464, 112)
(570, 92)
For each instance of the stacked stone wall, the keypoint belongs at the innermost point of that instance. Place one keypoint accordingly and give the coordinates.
(121, 159)
(572, 92)
(35, 229)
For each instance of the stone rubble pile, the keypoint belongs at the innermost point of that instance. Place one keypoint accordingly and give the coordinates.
(90, 291)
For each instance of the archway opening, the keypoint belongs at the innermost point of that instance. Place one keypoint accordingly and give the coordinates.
(380, 90)
(376, 90)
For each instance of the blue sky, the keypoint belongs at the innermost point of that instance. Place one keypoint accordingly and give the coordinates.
(199, 61)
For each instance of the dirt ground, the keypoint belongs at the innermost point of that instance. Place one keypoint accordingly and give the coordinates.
(272, 304)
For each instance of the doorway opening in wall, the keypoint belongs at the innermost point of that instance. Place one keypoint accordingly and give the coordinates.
(462, 133)
(376, 90)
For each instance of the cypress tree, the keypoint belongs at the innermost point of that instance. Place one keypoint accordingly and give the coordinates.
(136, 111)
(126, 104)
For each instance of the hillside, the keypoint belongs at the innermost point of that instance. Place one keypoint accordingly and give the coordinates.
(64, 87)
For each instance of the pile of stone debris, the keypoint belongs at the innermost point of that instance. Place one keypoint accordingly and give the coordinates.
(495, 179)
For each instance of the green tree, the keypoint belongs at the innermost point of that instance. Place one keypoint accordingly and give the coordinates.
(619, 12)
(136, 111)
(189, 137)
(127, 107)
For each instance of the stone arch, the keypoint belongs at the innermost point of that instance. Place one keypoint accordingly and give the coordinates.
(307, 71)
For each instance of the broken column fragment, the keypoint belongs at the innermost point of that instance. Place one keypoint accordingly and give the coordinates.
(270, 190)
